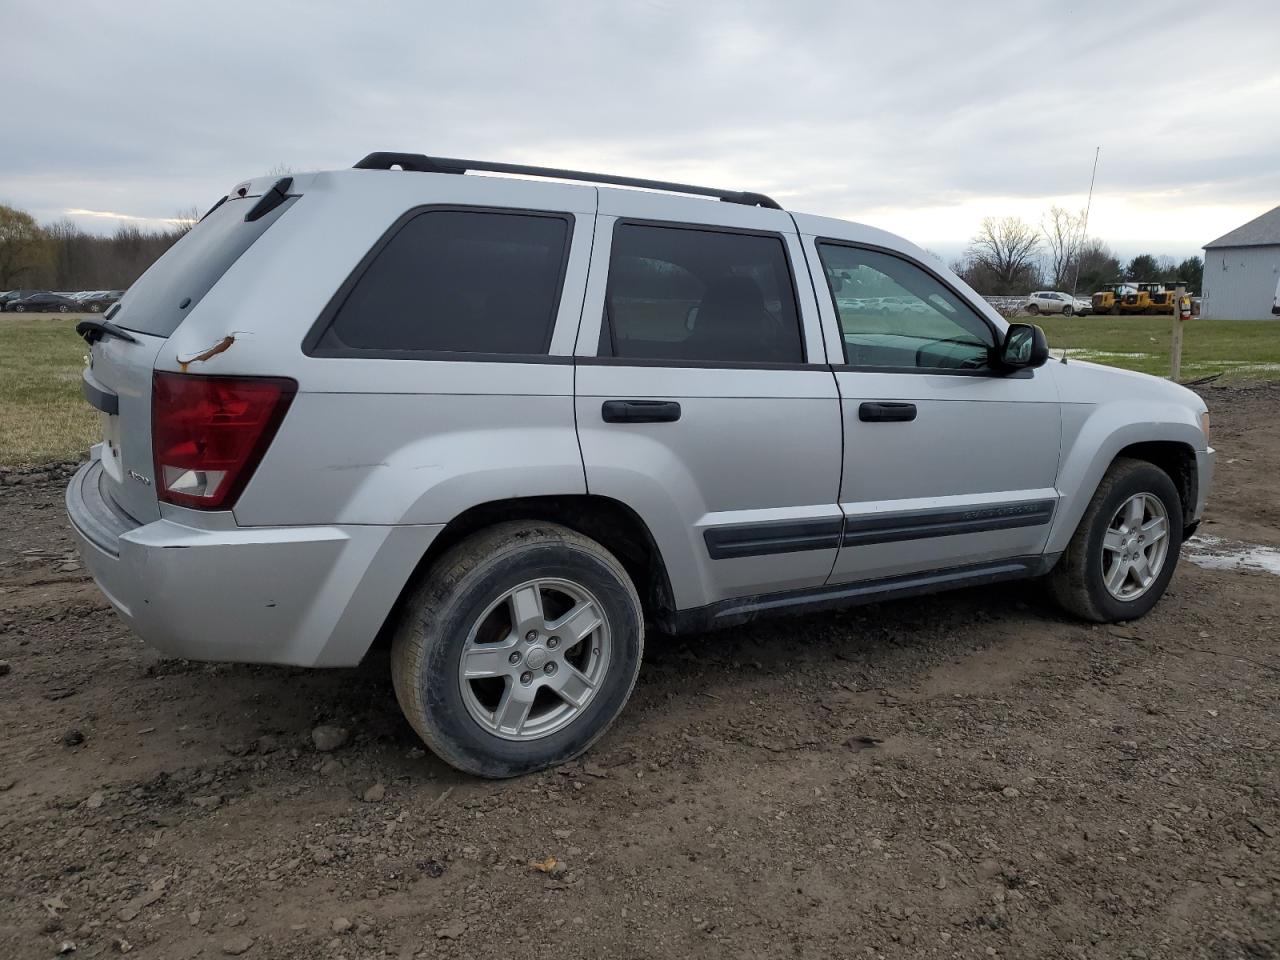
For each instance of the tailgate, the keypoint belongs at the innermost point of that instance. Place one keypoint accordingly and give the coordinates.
(118, 383)
(118, 380)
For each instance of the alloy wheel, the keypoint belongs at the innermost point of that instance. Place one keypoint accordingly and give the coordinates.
(1135, 546)
(535, 659)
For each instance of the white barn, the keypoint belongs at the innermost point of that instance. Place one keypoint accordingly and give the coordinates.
(1242, 271)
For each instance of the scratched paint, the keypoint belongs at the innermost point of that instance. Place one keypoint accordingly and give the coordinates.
(220, 347)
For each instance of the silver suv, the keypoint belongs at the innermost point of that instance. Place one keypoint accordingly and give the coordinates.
(509, 422)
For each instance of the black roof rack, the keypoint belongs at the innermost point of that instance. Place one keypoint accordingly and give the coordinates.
(420, 163)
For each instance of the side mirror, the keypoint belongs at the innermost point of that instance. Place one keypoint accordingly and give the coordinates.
(1024, 347)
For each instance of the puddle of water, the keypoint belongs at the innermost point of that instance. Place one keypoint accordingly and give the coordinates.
(1214, 553)
(1111, 354)
(1080, 353)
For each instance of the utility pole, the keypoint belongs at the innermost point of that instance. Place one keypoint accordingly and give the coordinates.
(1175, 348)
(1084, 230)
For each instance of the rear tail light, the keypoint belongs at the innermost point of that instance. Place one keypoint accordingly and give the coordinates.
(208, 434)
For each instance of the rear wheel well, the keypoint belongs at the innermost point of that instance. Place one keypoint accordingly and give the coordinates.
(612, 524)
(1177, 460)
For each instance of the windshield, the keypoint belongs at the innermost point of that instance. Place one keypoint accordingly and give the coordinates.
(175, 283)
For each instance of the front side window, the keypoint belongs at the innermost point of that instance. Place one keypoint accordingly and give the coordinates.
(457, 281)
(895, 314)
(700, 295)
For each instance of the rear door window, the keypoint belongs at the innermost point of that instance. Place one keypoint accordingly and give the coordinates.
(700, 295)
(454, 282)
(174, 284)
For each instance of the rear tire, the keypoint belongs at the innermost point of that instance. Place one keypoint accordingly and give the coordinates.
(511, 603)
(1094, 579)
(1033, 309)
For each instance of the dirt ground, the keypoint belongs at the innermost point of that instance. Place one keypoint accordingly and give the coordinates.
(970, 775)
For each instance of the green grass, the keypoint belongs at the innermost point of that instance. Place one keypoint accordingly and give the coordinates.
(44, 418)
(1237, 349)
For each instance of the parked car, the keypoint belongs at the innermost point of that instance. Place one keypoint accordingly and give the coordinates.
(1054, 301)
(12, 296)
(476, 415)
(95, 301)
(43, 303)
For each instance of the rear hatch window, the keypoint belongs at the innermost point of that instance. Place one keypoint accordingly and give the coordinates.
(175, 283)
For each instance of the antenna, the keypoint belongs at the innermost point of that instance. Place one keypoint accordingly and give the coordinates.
(1084, 230)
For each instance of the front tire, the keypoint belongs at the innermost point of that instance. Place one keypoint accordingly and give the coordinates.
(518, 649)
(1068, 311)
(1123, 554)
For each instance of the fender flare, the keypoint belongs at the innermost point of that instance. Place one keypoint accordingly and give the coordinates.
(1096, 447)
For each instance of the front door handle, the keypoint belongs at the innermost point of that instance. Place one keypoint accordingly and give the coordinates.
(886, 411)
(640, 411)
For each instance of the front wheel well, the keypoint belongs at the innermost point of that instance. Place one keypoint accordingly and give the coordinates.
(609, 522)
(1178, 460)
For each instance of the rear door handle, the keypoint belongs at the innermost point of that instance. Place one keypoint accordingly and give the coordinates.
(885, 411)
(640, 411)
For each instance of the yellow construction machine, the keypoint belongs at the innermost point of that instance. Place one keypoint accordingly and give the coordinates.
(1107, 300)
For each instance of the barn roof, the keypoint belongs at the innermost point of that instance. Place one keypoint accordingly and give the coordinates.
(1259, 232)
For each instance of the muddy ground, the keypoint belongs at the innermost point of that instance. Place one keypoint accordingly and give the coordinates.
(971, 775)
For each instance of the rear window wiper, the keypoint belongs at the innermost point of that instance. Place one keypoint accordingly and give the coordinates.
(95, 330)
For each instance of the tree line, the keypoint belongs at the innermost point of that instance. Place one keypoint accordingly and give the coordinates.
(62, 256)
(1010, 257)
(1007, 256)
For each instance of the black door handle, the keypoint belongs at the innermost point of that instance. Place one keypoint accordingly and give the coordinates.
(640, 411)
(885, 411)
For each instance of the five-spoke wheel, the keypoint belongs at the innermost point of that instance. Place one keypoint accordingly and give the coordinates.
(1135, 546)
(1124, 550)
(534, 659)
(518, 648)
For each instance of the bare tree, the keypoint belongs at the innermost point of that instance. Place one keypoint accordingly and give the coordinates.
(1005, 249)
(68, 258)
(24, 248)
(184, 220)
(1098, 267)
(1063, 234)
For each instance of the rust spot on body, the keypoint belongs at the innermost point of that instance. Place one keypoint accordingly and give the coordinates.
(220, 347)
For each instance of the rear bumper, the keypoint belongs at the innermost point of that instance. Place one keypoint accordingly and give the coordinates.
(304, 596)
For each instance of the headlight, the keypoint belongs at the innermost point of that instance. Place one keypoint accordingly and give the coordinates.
(1204, 426)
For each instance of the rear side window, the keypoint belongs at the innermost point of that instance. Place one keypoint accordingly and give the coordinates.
(678, 293)
(455, 281)
(174, 284)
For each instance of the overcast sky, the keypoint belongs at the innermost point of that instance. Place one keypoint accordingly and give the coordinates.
(918, 117)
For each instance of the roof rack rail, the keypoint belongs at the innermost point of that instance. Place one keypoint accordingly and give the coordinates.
(420, 163)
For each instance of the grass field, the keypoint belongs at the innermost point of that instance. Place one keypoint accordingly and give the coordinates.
(44, 418)
(1237, 349)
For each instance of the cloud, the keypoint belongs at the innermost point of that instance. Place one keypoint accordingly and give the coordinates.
(919, 115)
(125, 217)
